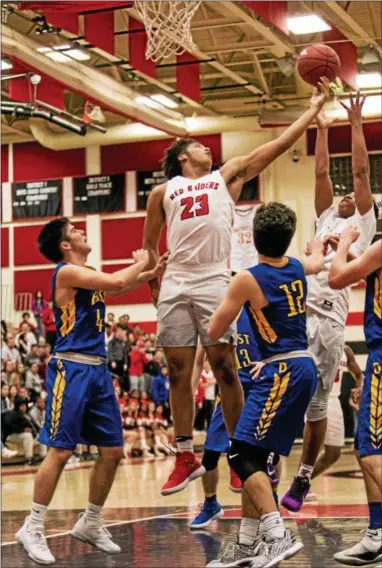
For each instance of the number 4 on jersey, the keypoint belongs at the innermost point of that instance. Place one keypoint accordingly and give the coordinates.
(195, 206)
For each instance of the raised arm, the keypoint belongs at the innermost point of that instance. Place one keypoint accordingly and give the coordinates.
(323, 193)
(360, 158)
(250, 166)
(343, 273)
(155, 220)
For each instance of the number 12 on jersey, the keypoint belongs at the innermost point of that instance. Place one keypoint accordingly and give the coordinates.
(194, 206)
(296, 305)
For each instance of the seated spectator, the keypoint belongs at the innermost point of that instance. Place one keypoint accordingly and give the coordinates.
(138, 360)
(130, 429)
(37, 413)
(25, 395)
(20, 369)
(18, 429)
(111, 320)
(45, 357)
(33, 381)
(38, 306)
(9, 368)
(6, 452)
(161, 386)
(49, 325)
(9, 351)
(109, 334)
(123, 399)
(144, 399)
(134, 397)
(144, 422)
(25, 339)
(118, 352)
(26, 318)
(13, 393)
(5, 402)
(33, 356)
(15, 380)
(162, 435)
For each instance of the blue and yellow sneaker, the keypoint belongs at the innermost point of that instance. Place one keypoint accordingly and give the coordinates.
(211, 510)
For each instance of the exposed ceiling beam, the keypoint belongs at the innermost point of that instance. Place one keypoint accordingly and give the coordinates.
(260, 75)
(280, 47)
(352, 24)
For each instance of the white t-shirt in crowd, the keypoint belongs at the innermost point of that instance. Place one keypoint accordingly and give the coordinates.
(209, 393)
(321, 298)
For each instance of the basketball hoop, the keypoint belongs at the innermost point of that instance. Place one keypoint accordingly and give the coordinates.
(92, 113)
(168, 27)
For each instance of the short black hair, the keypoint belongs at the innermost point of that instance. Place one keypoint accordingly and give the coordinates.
(273, 228)
(25, 314)
(51, 237)
(170, 163)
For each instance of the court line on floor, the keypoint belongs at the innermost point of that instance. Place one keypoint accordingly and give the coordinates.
(119, 523)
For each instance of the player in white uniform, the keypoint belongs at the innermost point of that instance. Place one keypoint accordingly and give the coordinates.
(335, 433)
(327, 308)
(243, 251)
(197, 206)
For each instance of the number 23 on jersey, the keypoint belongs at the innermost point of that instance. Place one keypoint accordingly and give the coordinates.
(194, 206)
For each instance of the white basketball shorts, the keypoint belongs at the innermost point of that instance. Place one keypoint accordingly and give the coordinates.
(335, 433)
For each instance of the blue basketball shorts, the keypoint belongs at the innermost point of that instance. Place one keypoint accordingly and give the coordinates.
(274, 411)
(81, 407)
(368, 439)
(217, 436)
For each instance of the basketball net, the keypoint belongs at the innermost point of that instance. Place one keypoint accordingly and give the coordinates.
(168, 27)
(92, 113)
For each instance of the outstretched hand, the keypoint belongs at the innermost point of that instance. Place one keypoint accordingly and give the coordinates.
(160, 266)
(351, 232)
(355, 109)
(321, 93)
(323, 121)
(141, 255)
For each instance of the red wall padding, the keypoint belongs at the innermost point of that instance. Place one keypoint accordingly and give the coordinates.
(4, 247)
(4, 162)
(26, 251)
(340, 138)
(33, 280)
(139, 296)
(120, 237)
(148, 155)
(33, 162)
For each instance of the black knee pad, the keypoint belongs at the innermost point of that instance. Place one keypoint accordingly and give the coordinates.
(246, 459)
(210, 459)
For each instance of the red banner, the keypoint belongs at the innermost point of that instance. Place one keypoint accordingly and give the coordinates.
(48, 90)
(275, 12)
(99, 30)
(137, 49)
(76, 7)
(347, 52)
(188, 76)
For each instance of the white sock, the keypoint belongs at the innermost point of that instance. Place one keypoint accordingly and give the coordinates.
(93, 512)
(305, 471)
(158, 441)
(249, 531)
(127, 449)
(185, 446)
(38, 513)
(273, 524)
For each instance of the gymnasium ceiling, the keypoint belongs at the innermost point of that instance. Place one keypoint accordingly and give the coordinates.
(241, 48)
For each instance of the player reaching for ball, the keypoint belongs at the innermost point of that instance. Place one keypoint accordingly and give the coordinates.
(197, 205)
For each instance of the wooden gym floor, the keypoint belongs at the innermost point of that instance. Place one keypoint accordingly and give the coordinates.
(152, 530)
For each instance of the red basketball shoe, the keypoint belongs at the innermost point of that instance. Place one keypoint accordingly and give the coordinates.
(235, 483)
(187, 468)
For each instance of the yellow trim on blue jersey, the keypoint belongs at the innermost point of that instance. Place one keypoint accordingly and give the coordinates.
(280, 385)
(266, 331)
(98, 296)
(376, 412)
(277, 263)
(68, 317)
(58, 395)
(378, 295)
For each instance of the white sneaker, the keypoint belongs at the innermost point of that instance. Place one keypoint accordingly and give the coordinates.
(31, 537)
(7, 453)
(146, 453)
(95, 533)
(368, 551)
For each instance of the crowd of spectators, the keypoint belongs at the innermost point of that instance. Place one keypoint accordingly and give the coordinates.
(140, 379)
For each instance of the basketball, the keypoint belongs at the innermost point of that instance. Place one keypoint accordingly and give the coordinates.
(318, 61)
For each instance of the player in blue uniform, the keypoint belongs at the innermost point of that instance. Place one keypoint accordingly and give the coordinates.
(81, 405)
(217, 441)
(274, 294)
(368, 442)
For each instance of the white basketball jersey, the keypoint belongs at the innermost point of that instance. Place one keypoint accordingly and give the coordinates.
(336, 389)
(199, 217)
(243, 254)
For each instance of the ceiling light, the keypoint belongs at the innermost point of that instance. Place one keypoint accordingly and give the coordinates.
(78, 54)
(59, 53)
(147, 101)
(165, 101)
(5, 65)
(369, 80)
(307, 24)
(371, 107)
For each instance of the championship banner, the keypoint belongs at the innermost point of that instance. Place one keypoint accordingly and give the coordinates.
(99, 194)
(146, 181)
(36, 199)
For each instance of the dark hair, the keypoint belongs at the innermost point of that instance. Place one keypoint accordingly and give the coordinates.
(119, 326)
(170, 163)
(108, 325)
(51, 237)
(19, 401)
(273, 228)
(34, 345)
(25, 314)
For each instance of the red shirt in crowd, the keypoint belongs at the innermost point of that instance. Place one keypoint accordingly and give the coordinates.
(138, 360)
(48, 319)
(200, 391)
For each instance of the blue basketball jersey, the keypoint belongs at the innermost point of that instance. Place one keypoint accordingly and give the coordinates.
(373, 310)
(247, 351)
(280, 327)
(80, 324)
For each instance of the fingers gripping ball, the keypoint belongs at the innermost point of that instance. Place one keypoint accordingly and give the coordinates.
(318, 61)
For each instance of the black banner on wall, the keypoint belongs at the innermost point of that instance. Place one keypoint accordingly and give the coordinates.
(99, 194)
(146, 181)
(35, 199)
